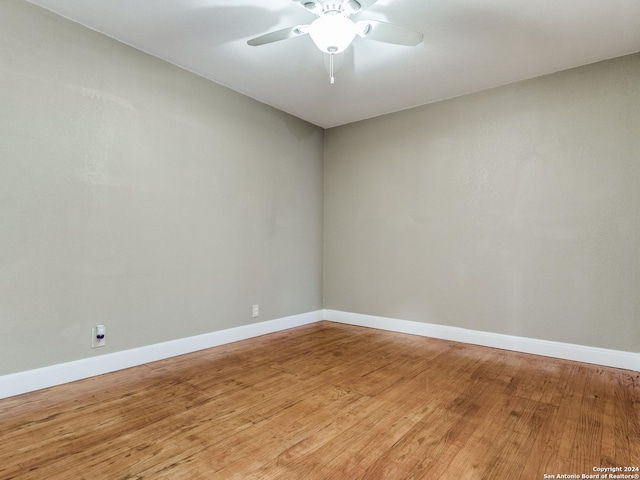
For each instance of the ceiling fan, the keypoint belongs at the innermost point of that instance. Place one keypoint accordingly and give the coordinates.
(333, 31)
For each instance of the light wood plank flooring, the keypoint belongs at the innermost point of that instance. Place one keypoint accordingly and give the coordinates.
(329, 401)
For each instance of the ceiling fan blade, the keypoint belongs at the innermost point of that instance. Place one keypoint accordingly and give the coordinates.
(309, 5)
(364, 4)
(278, 35)
(388, 33)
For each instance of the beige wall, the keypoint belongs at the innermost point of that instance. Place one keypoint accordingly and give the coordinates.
(514, 210)
(135, 194)
(138, 195)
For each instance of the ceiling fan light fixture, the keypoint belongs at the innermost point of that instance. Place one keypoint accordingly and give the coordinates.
(332, 33)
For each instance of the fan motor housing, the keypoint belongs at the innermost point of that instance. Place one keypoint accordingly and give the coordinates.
(333, 7)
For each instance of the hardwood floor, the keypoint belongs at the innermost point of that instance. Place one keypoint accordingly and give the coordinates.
(329, 401)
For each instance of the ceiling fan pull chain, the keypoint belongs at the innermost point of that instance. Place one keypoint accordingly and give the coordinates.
(331, 68)
(332, 51)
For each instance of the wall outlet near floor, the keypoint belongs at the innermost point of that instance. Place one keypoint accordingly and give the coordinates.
(98, 336)
(256, 311)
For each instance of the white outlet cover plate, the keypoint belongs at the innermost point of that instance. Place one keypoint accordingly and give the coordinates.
(94, 340)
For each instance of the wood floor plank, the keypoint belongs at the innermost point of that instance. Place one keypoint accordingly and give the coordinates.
(278, 432)
(328, 401)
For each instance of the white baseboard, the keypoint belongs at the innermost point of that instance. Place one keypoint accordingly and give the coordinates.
(30, 380)
(567, 351)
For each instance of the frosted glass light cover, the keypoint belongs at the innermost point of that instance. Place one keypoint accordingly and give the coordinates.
(332, 33)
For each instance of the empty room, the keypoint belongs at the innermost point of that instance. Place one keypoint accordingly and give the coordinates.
(289, 239)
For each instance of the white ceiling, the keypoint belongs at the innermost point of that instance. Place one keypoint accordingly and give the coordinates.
(468, 46)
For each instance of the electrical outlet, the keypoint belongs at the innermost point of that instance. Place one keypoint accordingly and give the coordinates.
(256, 311)
(98, 336)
